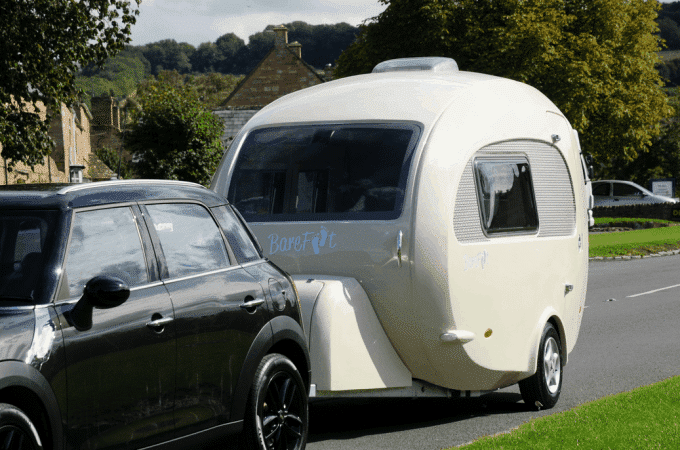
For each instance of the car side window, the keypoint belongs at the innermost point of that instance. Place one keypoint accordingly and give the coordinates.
(506, 195)
(190, 238)
(601, 189)
(243, 247)
(104, 242)
(626, 190)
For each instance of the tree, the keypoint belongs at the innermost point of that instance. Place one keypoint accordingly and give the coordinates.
(43, 43)
(663, 159)
(115, 161)
(206, 58)
(172, 135)
(595, 59)
(168, 55)
(670, 33)
(120, 74)
(228, 46)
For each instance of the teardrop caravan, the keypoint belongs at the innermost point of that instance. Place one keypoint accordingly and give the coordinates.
(435, 222)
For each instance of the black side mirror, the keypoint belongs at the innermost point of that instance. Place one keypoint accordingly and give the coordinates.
(102, 292)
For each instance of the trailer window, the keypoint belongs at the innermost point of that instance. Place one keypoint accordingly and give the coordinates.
(506, 195)
(323, 172)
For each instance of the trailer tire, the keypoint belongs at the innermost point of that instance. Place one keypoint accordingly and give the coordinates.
(276, 412)
(16, 429)
(542, 389)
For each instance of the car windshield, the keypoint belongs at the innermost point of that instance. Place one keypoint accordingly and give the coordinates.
(23, 239)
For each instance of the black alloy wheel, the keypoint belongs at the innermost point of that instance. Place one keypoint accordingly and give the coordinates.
(276, 417)
(17, 432)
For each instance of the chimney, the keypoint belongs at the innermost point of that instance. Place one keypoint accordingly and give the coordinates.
(297, 48)
(281, 39)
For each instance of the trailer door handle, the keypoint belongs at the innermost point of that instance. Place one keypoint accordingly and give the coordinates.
(399, 241)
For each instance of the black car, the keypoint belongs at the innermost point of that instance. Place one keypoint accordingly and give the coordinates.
(141, 313)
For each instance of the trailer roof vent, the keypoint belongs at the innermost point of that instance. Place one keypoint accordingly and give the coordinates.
(428, 63)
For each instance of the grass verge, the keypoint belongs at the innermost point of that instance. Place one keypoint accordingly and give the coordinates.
(637, 242)
(644, 418)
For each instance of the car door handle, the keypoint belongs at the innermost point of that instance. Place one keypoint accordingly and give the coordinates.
(252, 304)
(159, 323)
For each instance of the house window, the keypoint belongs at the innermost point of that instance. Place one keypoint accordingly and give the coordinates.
(506, 195)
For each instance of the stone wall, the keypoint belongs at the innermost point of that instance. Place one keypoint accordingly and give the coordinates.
(70, 130)
(234, 120)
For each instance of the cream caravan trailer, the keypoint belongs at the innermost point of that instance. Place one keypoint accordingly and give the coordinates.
(436, 225)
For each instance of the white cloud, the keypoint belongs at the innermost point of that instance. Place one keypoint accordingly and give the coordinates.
(198, 21)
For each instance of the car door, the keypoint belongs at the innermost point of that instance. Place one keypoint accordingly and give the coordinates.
(219, 309)
(602, 193)
(120, 373)
(626, 194)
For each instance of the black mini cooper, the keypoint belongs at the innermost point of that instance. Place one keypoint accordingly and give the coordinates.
(141, 314)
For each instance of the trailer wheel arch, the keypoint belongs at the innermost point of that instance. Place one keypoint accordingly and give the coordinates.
(551, 316)
(559, 326)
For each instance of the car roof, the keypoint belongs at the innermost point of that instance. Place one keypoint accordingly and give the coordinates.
(66, 196)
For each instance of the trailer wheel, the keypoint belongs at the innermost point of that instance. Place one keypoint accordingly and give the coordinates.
(542, 389)
(276, 413)
(16, 430)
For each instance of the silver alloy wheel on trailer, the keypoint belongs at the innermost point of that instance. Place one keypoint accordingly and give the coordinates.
(542, 389)
(552, 366)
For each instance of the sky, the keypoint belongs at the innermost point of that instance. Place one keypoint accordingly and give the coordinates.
(199, 21)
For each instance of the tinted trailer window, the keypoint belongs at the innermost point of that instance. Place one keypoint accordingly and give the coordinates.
(323, 172)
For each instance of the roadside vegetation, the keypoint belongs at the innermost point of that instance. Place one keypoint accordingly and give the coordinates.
(638, 242)
(644, 418)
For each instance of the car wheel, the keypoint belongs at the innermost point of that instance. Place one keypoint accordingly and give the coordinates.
(542, 390)
(276, 414)
(17, 432)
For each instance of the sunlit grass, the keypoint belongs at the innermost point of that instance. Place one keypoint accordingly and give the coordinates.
(636, 242)
(645, 418)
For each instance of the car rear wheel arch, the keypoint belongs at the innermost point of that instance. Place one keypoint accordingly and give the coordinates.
(281, 335)
(24, 387)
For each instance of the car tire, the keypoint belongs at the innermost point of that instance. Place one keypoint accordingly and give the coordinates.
(17, 432)
(542, 389)
(276, 412)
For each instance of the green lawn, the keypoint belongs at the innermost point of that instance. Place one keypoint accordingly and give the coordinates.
(645, 418)
(637, 242)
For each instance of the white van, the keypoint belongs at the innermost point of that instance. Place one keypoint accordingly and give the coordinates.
(436, 224)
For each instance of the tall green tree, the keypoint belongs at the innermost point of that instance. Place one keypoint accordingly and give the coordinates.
(595, 59)
(663, 159)
(172, 135)
(120, 74)
(43, 43)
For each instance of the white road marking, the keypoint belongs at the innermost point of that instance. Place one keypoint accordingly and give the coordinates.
(655, 290)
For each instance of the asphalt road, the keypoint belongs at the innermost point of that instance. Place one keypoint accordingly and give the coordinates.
(631, 341)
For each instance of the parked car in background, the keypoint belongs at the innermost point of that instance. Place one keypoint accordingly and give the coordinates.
(615, 192)
(135, 313)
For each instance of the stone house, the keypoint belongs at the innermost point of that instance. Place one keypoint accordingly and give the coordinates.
(106, 123)
(280, 72)
(71, 160)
